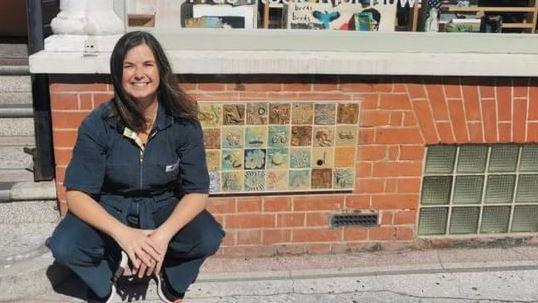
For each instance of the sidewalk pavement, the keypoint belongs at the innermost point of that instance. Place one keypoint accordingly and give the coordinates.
(497, 274)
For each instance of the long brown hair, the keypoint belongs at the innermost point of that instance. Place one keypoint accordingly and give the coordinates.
(169, 94)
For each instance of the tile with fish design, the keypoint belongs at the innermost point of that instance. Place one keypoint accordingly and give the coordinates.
(301, 135)
(232, 181)
(344, 178)
(322, 157)
(279, 113)
(212, 138)
(232, 137)
(300, 157)
(346, 135)
(276, 180)
(324, 113)
(255, 158)
(214, 182)
(348, 113)
(232, 159)
(210, 114)
(279, 136)
(256, 136)
(323, 136)
(233, 114)
(299, 179)
(257, 113)
(302, 113)
(213, 160)
(254, 180)
(344, 156)
(322, 178)
(277, 158)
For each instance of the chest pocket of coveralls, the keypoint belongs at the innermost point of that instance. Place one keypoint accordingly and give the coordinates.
(161, 168)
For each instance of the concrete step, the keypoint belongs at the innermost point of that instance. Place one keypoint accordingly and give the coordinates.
(13, 157)
(29, 212)
(11, 127)
(16, 110)
(12, 191)
(12, 50)
(15, 83)
(16, 175)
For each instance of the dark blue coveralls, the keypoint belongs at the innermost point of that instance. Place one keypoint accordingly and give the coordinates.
(140, 186)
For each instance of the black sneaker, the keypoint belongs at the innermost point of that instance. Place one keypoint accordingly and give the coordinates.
(166, 292)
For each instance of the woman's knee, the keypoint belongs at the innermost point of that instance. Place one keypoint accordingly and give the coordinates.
(208, 245)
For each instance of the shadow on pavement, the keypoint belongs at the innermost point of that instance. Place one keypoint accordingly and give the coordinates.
(63, 281)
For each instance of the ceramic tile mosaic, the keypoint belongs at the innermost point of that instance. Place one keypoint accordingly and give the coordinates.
(210, 115)
(297, 146)
(255, 136)
(348, 113)
(233, 114)
(279, 113)
(301, 135)
(323, 136)
(232, 137)
(213, 160)
(255, 180)
(346, 135)
(276, 180)
(257, 113)
(212, 138)
(302, 113)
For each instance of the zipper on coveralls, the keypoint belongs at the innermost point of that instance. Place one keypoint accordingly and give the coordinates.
(142, 148)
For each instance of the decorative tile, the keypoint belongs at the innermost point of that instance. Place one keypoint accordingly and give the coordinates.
(280, 146)
(346, 135)
(301, 135)
(322, 178)
(214, 182)
(213, 160)
(299, 179)
(344, 178)
(256, 136)
(323, 136)
(232, 137)
(254, 180)
(257, 113)
(322, 157)
(302, 113)
(324, 114)
(233, 114)
(210, 115)
(348, 113)
(279, 136)
(232, 181)
(232, 159)
(279, 113)
(276, 180)
(300, 157)
(254, 158)
(344, 156)
(277, 158)
(212, 138)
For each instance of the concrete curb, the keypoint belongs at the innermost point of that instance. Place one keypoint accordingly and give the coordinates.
(29, 191)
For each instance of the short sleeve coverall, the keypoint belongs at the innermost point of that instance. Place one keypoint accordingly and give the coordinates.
(140, 185)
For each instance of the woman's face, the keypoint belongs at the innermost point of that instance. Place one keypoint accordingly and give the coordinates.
(140, 74)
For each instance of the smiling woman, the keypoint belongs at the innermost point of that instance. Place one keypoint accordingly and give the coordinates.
(137, 183)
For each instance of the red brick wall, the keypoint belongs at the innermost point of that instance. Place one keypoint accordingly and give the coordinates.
(399, 117)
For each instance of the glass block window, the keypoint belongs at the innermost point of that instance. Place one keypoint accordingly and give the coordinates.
(479, 189)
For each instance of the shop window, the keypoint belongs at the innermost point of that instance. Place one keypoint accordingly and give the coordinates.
(479, 189)
(348, 15)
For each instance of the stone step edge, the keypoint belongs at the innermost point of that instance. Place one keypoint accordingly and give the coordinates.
(29, 191)
(16, 111)
(14, 70)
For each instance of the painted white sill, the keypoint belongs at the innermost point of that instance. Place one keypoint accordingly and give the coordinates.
(209, 51)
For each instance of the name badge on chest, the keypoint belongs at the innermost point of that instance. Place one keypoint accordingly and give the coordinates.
(172, 167)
